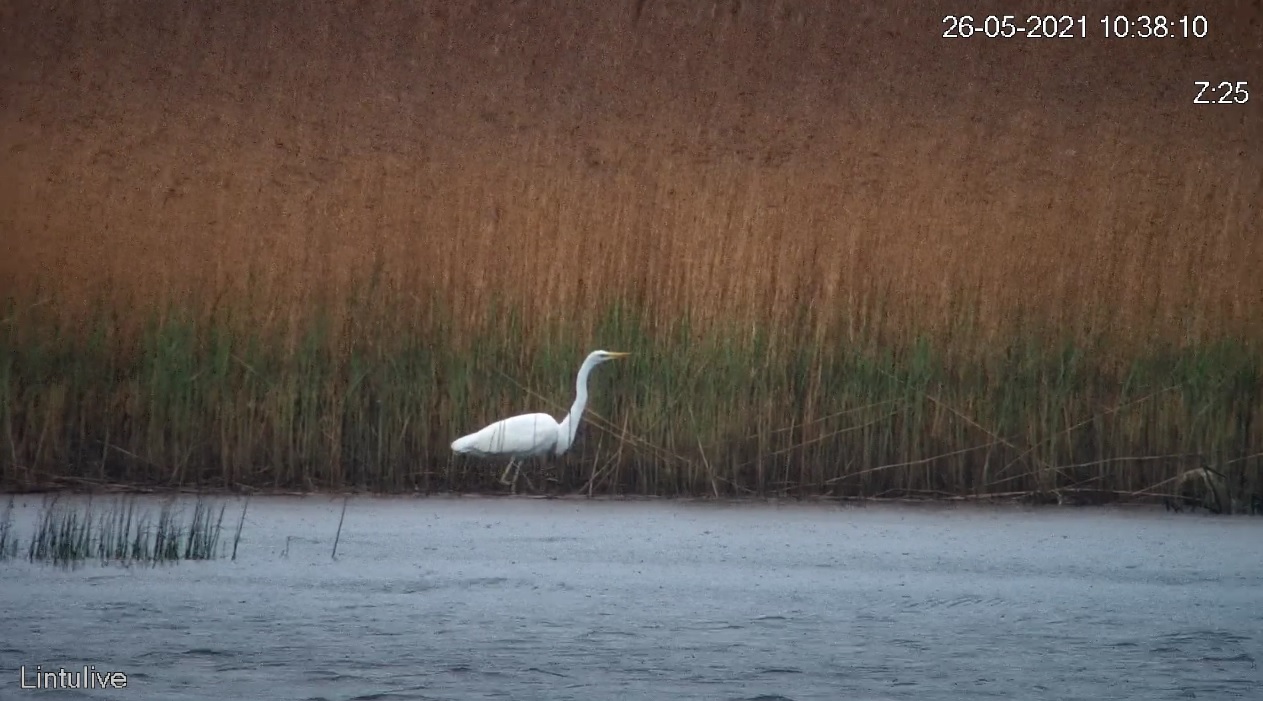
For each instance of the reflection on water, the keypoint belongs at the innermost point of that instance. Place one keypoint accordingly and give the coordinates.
(531, 599)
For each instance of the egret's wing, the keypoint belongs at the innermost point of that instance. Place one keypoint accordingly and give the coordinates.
(528, 434)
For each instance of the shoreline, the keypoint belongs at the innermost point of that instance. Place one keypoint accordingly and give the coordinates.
(1071, 498)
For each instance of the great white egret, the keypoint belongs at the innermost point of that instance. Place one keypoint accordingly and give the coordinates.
(532, 435)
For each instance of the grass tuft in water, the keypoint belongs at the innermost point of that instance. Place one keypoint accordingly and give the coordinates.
(119, 533)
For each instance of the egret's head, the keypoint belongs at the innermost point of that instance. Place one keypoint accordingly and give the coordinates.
(602, 356)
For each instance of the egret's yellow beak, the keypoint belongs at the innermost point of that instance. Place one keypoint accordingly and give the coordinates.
(614, 356)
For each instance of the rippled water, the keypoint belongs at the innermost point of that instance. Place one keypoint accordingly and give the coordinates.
(535, 599)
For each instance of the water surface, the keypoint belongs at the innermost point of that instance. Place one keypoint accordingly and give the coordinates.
(476, 598)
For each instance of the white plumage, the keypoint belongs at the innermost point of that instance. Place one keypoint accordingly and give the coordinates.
(532, 435)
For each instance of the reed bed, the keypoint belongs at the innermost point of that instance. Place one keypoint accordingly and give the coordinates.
(315, 269)
(712, 413)
(120, 533)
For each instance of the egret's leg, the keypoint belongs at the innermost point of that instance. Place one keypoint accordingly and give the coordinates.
(504, 477)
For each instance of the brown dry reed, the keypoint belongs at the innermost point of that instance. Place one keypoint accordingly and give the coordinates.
(307, 248)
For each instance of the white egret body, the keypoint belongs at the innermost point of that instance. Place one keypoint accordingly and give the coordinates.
(533, 435)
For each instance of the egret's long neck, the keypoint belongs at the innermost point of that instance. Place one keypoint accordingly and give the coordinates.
(570, 424)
